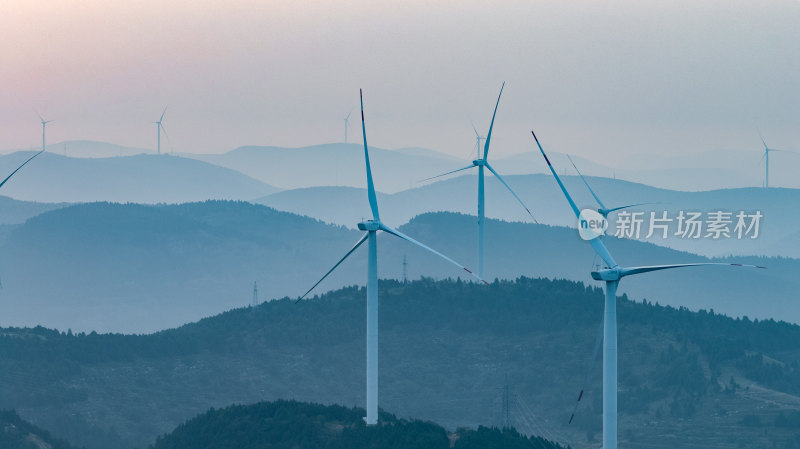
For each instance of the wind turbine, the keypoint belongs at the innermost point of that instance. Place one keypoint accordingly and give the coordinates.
(478, 139)
(161, 127)
(346, 125)
(481, 163)
(372, 227)
(611, 274)
(765, 158)
(44, 125)
(602, 210)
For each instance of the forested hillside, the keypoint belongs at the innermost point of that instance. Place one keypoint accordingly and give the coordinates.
(447, 349)
(16, 433)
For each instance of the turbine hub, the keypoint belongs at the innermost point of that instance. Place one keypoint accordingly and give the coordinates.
(370, 225)
(479, 162)
(608, 274)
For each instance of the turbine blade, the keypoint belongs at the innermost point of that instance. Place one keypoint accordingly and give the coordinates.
(162, 114)
(23, 164)
(397, 233)
(348, 115)
(558, 180)
(489, 136)
(512, 192)
(477, 135)
(448, 173)
(605, 212)
(373, 200)
(358, 243)
(38, 115)
(598, 246)
(587, 184)
(763, 141)
(166, 135)
(646, 269)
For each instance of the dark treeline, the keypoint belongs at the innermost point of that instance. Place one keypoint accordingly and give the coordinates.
(296, 425)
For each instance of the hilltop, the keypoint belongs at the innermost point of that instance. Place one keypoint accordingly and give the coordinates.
(295, 425)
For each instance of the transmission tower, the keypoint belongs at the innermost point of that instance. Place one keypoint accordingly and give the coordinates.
(405, 270)
(255, 294)
(506, 406)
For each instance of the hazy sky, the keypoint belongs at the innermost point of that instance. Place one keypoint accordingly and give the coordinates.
(595, 78)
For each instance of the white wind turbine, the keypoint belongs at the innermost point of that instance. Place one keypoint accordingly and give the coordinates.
(372, 227)
(481, 163)
(765, 158)
(346, 125)
(44, 126)
(611, 274)
(160, 127)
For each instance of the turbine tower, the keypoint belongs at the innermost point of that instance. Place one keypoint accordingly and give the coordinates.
(481, 163)
(160, 127)
(611, 274)
(44, 126)
(372, 227)
(346, 125)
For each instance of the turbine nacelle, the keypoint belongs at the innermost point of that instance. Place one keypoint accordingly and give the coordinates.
(370, 225)
(608, 274)
(479, 162)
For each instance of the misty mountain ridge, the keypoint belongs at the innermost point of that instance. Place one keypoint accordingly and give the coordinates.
(144, 178)
(140, 268)
(339, 164)
(778, 229)
(90, 149)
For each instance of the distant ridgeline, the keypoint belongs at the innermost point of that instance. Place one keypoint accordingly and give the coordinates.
(447, 350)
(296, 425)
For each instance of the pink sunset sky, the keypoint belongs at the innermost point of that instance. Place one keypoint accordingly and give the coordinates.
(597, 79)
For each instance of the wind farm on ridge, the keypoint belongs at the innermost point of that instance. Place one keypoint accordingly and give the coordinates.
(210, 293)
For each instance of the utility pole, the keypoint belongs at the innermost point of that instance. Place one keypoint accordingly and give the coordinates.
(255, 294)
(405, 270)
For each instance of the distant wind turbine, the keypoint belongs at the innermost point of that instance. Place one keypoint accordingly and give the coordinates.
(478, 139)
(160, 127)
(603, 210)
(611, 274)
(481, 163)
(765, 158)
(346, 125)
(44, 126)
(372, 227)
